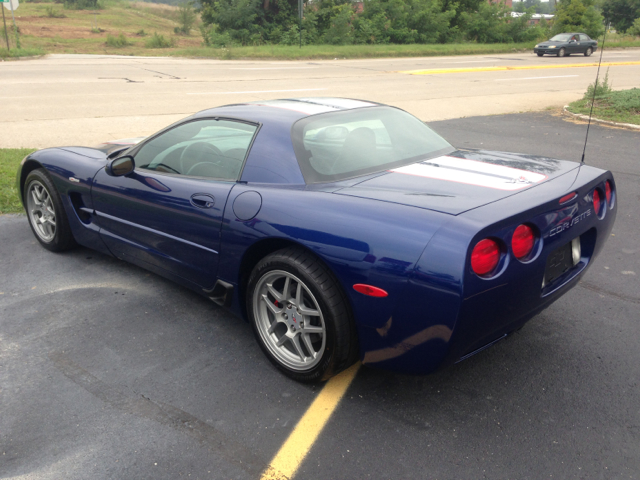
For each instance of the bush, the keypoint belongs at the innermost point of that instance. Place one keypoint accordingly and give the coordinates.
(635, 28)
(82, 5)
(141, 33)
(212, 38)
(598, 89)
(117, 42)
(158, 41)
(52, 12)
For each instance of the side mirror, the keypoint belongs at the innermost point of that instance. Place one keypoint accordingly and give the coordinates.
(120, 166)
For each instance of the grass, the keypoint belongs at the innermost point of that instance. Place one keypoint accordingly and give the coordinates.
(622, 106)
(10, 158)
(20, 52)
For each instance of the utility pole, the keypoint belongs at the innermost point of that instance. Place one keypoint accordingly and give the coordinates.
(5, 30)
(300, 20)
(15, 28)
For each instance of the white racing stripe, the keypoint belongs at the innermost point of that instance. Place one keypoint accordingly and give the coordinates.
(472, 172)
(258, 91)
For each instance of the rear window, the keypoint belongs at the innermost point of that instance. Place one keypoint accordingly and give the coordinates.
(340, 145)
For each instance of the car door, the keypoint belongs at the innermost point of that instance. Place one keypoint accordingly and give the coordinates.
(574, 44)
(585, 42)
(166, 215)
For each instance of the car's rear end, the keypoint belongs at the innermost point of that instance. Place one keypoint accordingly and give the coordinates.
(491, 268)
(518, 265)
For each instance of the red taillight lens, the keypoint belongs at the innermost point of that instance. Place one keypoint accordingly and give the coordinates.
(596, 201)
(607, 191)
(485, 256)
(522, 241)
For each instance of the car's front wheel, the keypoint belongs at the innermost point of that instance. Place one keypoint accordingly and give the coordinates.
(45, 212)
(540, 54)
(562, 52)
(588, 52)
(300, 316)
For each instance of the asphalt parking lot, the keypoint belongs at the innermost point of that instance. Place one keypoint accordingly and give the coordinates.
(107, 371)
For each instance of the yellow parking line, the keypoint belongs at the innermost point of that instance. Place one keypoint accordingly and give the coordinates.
(518, 67)
(288, 459)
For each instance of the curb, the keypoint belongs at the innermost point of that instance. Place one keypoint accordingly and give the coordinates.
(629, 126)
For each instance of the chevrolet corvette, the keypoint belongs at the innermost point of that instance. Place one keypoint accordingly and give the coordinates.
(341, 230)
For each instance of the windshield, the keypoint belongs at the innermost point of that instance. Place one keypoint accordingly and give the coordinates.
(339, 145)
(563, 37)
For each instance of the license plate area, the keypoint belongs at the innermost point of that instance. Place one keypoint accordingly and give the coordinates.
(560, 260)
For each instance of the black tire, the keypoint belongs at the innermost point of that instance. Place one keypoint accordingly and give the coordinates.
(47, 217)
(269, 306)
(562, 52)
(540, 54)
(588, 52)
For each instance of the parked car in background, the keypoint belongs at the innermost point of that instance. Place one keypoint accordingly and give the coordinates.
(565, 44)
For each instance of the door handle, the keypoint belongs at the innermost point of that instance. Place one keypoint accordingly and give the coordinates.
(202, 200)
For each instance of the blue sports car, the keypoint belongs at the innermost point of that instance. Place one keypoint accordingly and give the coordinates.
(340, 229)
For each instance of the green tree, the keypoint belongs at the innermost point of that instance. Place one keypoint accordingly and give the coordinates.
(578, 16)
(186, 17)
(621, 13)
(635, 28)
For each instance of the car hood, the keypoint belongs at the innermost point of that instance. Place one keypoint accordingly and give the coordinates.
(460, 181)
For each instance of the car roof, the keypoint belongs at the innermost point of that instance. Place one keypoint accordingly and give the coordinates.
(286, 109)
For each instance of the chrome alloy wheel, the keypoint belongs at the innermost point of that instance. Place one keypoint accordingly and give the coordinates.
(42, 213)
(289, 320)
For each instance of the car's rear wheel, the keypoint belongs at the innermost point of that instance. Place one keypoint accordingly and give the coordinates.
(588, 52)
(300, 316)
(540, 54)
(562, 52)
(45, 212)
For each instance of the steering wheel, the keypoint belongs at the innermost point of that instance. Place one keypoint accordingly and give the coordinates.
(210, 169)
(196, 153)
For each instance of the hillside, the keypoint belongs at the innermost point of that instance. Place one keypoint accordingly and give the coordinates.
(53, 29)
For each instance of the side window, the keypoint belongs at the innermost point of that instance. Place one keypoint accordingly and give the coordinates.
(202, 148)
(584, 38)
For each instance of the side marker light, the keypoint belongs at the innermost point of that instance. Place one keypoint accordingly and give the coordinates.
(370, 290)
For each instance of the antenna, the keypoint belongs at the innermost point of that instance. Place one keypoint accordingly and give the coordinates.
(595, 88)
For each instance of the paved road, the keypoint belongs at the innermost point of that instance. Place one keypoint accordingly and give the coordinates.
(107, 371)
(84, 100)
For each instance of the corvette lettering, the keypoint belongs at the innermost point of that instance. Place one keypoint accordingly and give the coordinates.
(566, 225)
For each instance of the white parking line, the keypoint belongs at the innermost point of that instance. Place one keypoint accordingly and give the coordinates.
(273, 68)
(533, 78)
(258, 91)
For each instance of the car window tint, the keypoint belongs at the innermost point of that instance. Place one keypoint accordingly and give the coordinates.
(201, 148)
(563, 37)
(584, 38)
(345, 144)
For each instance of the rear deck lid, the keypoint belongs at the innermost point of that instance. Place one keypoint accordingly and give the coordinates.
(461, 181)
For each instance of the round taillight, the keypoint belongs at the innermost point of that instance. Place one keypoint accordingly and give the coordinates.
(607, 191)
(596, 201)
(485, 256)
(522, 241)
